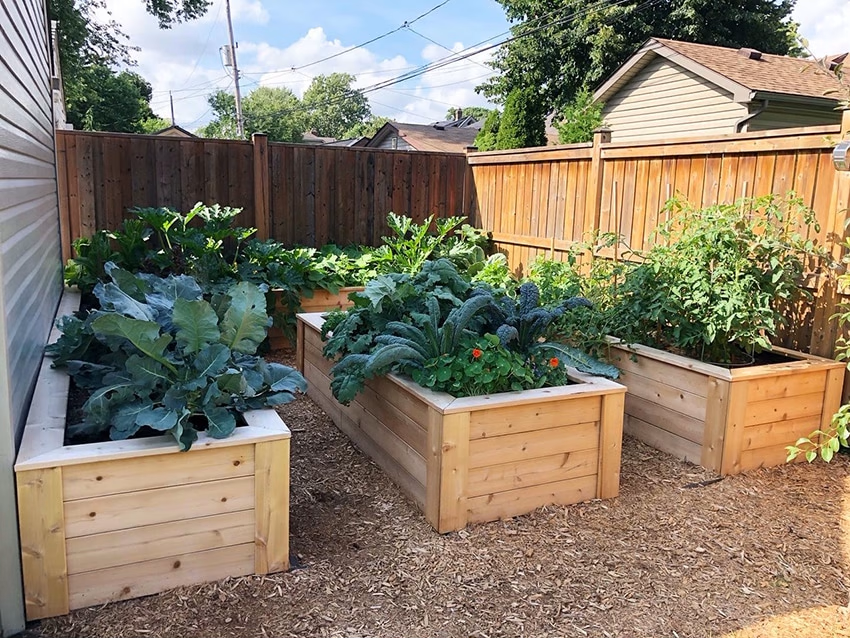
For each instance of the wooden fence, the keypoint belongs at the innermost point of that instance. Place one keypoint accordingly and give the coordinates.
(297, 194)
(535, 201)
(543, 201)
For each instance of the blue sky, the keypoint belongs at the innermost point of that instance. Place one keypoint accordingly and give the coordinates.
(275, 35)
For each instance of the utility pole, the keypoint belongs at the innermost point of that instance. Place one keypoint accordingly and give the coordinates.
(240, 129)
(171, 98)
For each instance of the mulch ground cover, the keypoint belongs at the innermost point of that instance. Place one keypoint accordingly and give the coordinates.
(676, 555)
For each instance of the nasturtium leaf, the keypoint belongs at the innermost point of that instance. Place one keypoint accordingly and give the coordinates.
(197, 324)
(220, 422)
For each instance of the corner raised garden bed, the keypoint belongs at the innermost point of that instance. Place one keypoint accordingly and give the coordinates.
(108, 521)
(321, 301)
(477, 459)
(727, 420)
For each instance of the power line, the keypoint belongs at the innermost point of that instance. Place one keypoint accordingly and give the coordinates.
(206, 43)
(442, 46)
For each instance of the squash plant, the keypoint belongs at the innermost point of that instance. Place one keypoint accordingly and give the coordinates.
(157, 355)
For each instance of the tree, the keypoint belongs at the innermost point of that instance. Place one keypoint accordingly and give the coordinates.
(367, 128)
(582, 42)
(578, 120)
(154, 125)
(486, 138)
(522, 123)
(333, 106)
(273, 111)
(88, 46)
(109, 101)
(480, 113)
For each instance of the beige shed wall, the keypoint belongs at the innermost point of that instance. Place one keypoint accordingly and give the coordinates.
(664, 100)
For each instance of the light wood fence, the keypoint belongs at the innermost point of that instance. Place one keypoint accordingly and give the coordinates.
(543, 201)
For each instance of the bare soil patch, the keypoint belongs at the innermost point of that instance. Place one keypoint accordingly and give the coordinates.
(761, 554)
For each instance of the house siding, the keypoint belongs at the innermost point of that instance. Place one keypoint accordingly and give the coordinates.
(30, 262)
(395, 143)
(782, 115)
(664, 100)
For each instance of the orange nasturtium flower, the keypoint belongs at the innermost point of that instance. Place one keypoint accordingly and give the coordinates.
(553, 362)
(476, 352)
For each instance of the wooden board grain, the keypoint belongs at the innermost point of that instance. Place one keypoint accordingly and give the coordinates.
(504, 505)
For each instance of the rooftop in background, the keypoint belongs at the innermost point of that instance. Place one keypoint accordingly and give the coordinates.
(449, 136)
(742, 71)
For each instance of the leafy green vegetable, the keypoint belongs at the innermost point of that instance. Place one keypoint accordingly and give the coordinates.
(158, 356)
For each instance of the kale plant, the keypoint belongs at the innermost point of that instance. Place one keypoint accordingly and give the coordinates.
(157, 355)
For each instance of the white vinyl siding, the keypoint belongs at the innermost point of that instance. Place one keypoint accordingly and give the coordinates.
(778, 116)
(664, 100)
(30, 262)
(395, 143)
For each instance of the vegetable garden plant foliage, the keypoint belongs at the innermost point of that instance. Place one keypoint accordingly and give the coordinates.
(450, 335)
(205, 244)
(156, 355)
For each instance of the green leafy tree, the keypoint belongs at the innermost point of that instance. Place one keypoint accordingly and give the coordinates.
(277, 112)
(154, 125)
(368, 128)
(582, 42)
(110, 101)
(88, 44)
(522, 123)
(333, 106)
(578, 120)
(480, 113)
(486, 138)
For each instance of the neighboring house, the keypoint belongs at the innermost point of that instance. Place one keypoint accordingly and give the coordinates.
(313, 137)
(352, 141)
(444, 137)
(680, 89)
(30, 256)
(175, 131)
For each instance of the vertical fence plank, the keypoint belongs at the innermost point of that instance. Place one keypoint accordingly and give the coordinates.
(262, 189)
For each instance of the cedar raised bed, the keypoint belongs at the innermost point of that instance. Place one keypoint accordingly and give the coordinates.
(108, 521)
(321, 301)
(727, 420)
(477, 459)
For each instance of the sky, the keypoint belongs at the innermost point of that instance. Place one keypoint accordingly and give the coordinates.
(279, 40)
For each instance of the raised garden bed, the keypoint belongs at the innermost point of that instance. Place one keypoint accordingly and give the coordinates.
(321, 301)
(477, 459)
(727, 420)
(109, 521)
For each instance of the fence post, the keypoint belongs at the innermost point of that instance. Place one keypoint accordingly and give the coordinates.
(262, 187)
(828, 299)
(593, 206)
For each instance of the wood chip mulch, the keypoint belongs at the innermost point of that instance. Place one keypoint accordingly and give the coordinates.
(676, 555)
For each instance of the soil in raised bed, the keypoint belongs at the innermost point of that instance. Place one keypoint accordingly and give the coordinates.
(678, 554)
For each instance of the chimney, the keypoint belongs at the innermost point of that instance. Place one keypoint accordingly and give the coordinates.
(750, 54)
(458, 114)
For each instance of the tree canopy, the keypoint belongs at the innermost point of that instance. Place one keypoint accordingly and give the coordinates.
(88, 50)
(333, 107)
(579, 118)
(367, 128)
(522, 123)
(480, 113)
(277, 112)
(581, 43)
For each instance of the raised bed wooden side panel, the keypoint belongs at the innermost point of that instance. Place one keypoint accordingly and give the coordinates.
(522, 457)
(480, 458)
(729, 421)
(109, 521)
(321, 301)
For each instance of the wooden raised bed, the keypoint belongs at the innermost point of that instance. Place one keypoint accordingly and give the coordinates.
(482, 458)
(109, 521)
(321, 301)
(727, 420)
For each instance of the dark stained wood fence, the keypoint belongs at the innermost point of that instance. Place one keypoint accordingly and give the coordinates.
(297, 194)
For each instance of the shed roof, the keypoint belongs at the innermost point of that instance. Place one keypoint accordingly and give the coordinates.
(734, 71)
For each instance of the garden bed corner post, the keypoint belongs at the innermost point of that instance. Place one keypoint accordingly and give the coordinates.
(448, 470)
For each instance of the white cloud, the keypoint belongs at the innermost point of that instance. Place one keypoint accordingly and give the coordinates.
(249, 11)
(825, 24)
